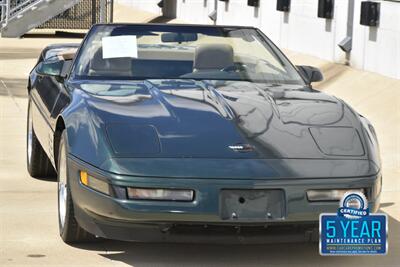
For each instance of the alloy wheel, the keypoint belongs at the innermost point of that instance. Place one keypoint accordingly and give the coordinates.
(29, 137)
(62, 187)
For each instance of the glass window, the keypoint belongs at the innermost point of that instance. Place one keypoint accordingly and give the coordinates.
(182, 52)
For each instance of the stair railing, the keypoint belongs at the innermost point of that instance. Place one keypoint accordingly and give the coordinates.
(4, 12)
(15, 8)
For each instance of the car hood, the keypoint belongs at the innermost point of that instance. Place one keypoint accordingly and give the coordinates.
(221, 120)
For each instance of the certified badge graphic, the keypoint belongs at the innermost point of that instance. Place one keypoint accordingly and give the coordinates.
(353, 230)
(353, 205)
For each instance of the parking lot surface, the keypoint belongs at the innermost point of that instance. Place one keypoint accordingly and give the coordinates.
(28, 206)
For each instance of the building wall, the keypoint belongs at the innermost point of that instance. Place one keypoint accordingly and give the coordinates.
(146, 5)
(378, 49)
(298, 30)
(195, 11)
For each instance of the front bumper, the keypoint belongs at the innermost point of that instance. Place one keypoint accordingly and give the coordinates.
(123, 219)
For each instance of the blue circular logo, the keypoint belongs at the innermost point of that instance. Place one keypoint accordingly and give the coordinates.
(353, 205)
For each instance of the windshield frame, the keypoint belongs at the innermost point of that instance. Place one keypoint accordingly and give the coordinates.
(190, 28)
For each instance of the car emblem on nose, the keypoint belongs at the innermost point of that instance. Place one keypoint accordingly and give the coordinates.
(242, 148)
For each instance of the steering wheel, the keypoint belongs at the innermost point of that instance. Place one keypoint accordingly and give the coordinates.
(263, 61)
(236, 67)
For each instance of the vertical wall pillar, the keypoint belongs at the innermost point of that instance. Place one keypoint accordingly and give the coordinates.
(103, 11)
(350, 26)
(216, 11)
(169, 9)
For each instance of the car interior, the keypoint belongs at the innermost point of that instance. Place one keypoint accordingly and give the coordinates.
(206, 58)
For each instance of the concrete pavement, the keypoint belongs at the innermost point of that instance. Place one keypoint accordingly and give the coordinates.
(28, 206)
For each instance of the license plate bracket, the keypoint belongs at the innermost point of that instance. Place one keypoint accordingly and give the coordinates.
(252, 204)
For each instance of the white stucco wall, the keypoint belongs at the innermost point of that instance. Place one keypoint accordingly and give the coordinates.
(146, 5)
(195, 11)
(238, 13)
(378, 49)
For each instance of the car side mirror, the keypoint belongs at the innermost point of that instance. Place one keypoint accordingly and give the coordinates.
(53, 68)
(310, 74)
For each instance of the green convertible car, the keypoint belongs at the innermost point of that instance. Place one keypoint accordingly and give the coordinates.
(192, 132)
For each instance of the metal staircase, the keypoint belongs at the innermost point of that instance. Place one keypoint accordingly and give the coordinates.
(19, 16)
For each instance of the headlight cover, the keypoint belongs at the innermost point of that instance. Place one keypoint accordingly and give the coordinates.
(133, 140)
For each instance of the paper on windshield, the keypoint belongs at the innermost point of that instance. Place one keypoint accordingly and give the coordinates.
(119, 46)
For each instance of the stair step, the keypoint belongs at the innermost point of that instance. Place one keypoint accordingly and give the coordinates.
(34, 14)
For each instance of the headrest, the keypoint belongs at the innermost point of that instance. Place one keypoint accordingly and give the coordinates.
(213, 56)
(115, 66)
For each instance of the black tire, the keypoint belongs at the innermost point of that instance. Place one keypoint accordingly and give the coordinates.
(70, 231)
(39, 165)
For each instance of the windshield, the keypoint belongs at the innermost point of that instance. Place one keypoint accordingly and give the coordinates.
(136, 52)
